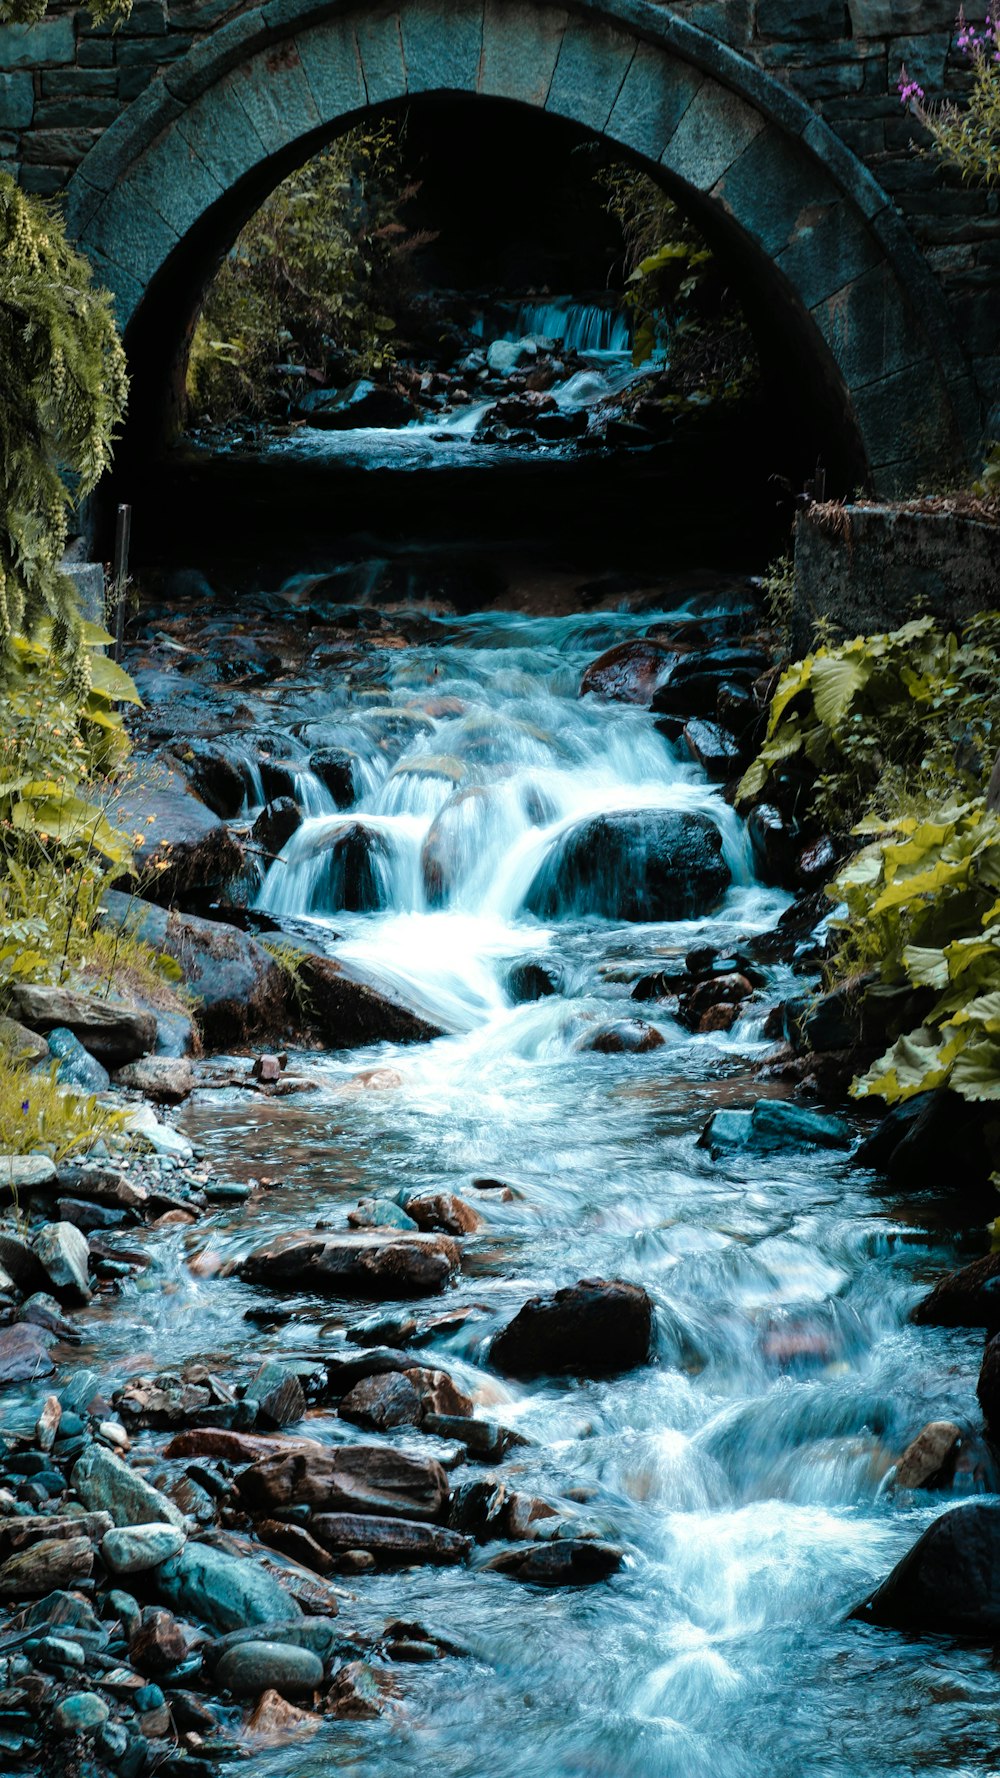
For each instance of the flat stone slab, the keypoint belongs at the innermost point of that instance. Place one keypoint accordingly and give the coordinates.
(392, 1542)
(349, 1264)
(114, 1034)
(347, 1478)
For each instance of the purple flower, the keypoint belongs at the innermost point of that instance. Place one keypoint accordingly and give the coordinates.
(25, 1105)
(910, 91)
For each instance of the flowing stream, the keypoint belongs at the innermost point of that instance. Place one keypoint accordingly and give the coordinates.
(745, 1470)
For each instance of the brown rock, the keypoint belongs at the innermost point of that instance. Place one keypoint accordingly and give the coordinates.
(630, 672)
(969, 1297)
(355, 1264)
(719, 1018)
(159, 1643)
(274, 1720)
(715, 988)
(167, 1080)
(235, 1447)
(443, 1211)
(347, 1012)
(593, 1328)
(46, 1567)
(360, 1691)
(266, 1069)
(381, 1402)
(632, 1037)
(392, 1542)
(571, 1562)
(347, 1478)
(439, 1394)
(929, 1461)
(295, 1541)
(24, 1353)
(111, 1032)
(17, 1533)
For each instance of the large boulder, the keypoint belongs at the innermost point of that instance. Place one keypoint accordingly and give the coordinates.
(630, 673)
(188, 851)
(115, 1034)
(637, 864)
(354, 1264)
(242, 991)
(223, 1590)
(969, 1297)
(345, 1011)
(948, 1584)
(362, 403)
(591, 1329)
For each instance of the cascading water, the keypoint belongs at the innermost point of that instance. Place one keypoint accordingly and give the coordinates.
(745, 1471)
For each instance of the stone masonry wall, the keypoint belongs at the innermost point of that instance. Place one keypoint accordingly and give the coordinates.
(64, 80)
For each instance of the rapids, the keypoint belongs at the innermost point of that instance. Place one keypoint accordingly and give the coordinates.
(745, 1470)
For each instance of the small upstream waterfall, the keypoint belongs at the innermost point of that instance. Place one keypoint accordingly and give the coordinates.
(584, 327)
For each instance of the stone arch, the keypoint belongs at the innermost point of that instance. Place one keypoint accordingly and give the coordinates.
(158, 200)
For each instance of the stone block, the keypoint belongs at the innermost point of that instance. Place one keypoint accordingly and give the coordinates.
(654, 96)
(890, 563)
(142, 52)
(51, 41)
(827, 250)
(126, 290)
(17, 101)
(854, 179)
(131, 234)
(594, 59)
(72, 83)
(221, 136)
(173, 180)
(885, 18)
(275, 95)
(904, 421)
(331, 62)
(57, 148)
(132, 82)
(521, 46)
(714, 131)
(147, 18)
(77, 113)
(43, 182)
(380, 44)
(442, 41)
(131, 132)
(95, 52)
(217, 54)
(870, 330)
(800, 20)
(776, 192)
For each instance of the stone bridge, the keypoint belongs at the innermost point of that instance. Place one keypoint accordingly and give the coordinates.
(775, 122)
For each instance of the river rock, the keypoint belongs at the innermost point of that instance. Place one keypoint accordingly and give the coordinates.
(379, 1213)
(531, 979)
(20, 1043)
(362, 403)
(382, 1402)
(346, 1012)
(713, 748)
(242, 991)
(594, 1328)
(339, 770)
(346, 1478)
(167, 1080)
(79, 1713)
(113, 1033)
(64, 1253)
(100, 1184)
(158, 1644)
(214, 774)
(46, 1566)
(275, 1721)
(105, 1484)
(276, 824)
(25, 1173)
(354, 1264)
(632, 1037)
(392, 1542)
(131, 1549)
(24, 1354)
(969, 1297)
(988, 1386)
(252, 1667)
(75, 1066)
(234, 1447)
(360, 1690)
(948, 1584)
(442, 1211)
(570, 1562)
(630, 672)
(225, 1591)
(638, 864)
(773, 1124)
(455, 840)
(929, 1459)
(20, 1262)
(188, 849)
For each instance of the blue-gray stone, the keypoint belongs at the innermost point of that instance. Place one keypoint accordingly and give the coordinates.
(129, 1549)
(105, 1484)
(228, 1592)
(81, 1713)
(76, 1066)
(252, 1667)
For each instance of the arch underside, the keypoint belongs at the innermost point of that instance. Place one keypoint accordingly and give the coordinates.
(750, 160)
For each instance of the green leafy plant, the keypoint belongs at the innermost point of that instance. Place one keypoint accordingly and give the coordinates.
(29, 12)
(38, 1116)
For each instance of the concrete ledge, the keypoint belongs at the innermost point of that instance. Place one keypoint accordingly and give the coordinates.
(872, 568)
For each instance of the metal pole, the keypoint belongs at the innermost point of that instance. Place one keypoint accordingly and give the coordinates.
(123, 534)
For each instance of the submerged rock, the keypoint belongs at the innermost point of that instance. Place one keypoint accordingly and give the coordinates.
(594, 1328)
(948, 1584)
(639, 864)
(773, 1124)
(929, 1459)
(355, 1264)
(626, 1037)
(630, 673)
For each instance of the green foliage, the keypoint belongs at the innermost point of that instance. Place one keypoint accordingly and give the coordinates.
(988, 485)
(38, 1116)
(317, 280)
(62, 372)
(967, 136)
(28, 12)
(879, 713)
(778, 588)
(924, 892)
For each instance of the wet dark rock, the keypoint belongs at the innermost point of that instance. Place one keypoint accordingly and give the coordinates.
(713, 748)
(381, 1402)
(242, 991)
(197, 851)
(279, 1394)
(661, 984)
(631, 1037)
(929, 1459)
(295, 1542)
(393, 1542)
(339, 770)
(79, 1713)
(362, 403)
(213, 774)
(379, 1213)
(221, 1589)
(159, 1644)
(629, 673)
(347, 1012)
(24, 1354)
(530, 980)
(65, 1256)
(730, 990)
(76, 1067)
(969, 1297)
(773, 1124)
(276, 824)
(100, 1184)
(595, 1328)
(355, 861)
(570, 1562)
(347, 1478)
(113, 1033)
(948, 1584)
(354, 1264)
(817, 862)
(772, 842)
(641, 864)
(360, 1690)
(344, 1369)
(916, 1142)
(442, 1211)
(485, 1441)
(251, 1667)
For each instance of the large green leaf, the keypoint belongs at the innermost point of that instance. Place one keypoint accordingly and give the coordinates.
(836, 681)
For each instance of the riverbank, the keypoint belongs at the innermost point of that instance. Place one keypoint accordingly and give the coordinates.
(326, 1334)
